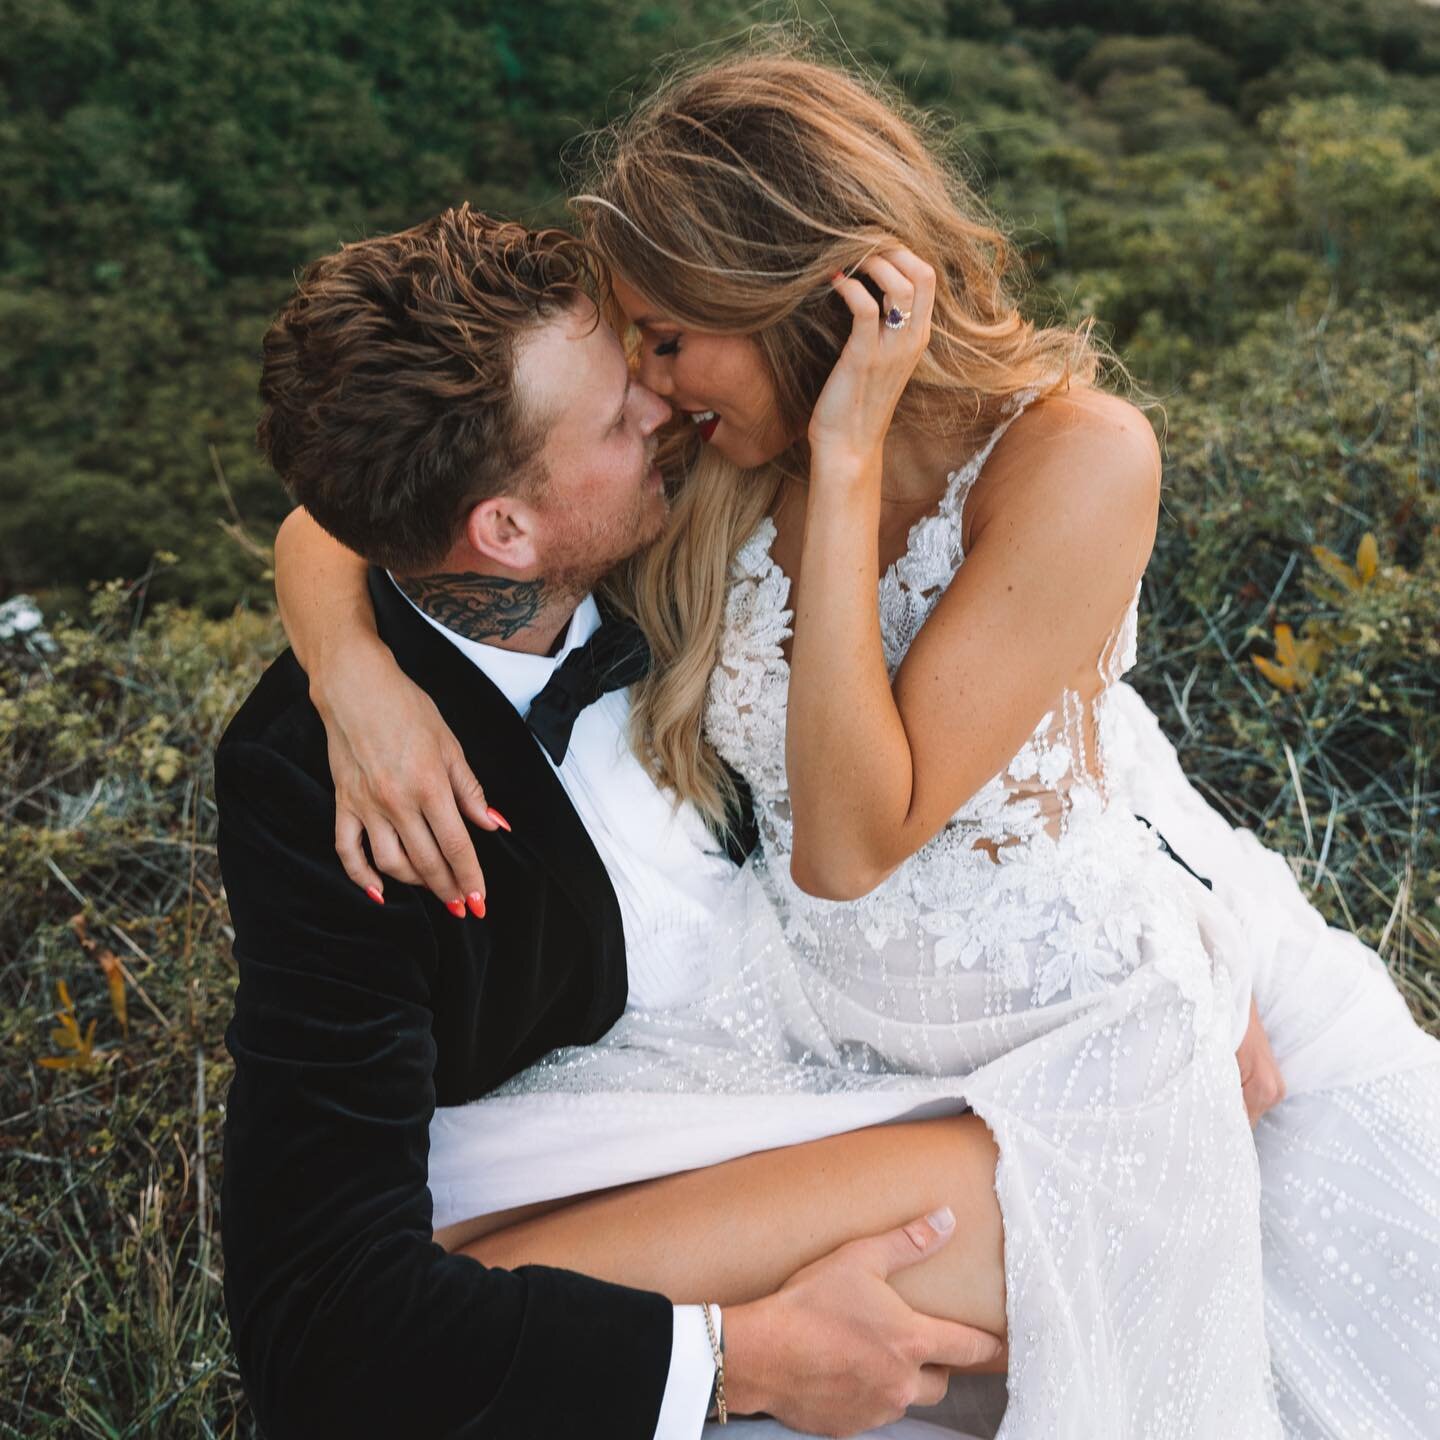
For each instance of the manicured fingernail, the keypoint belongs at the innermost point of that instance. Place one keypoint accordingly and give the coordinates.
(456, 908)
(373, 891)
(476, 901)
(942, 1221)
(838, 275)
(499, 819)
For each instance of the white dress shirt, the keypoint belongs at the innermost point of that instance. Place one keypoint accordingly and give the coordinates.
(669, 873)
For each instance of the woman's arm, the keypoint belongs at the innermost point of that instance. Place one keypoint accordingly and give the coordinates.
(875, 771)
(321, 591)
(401, 780)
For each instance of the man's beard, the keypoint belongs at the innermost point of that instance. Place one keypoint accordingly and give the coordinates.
(583, 550)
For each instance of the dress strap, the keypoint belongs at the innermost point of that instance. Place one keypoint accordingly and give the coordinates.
(960, 482)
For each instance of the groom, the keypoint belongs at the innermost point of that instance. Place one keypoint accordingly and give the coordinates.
(446, 402)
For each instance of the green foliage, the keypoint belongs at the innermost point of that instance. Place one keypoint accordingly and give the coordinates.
(1305, 446)
(117, 967)
(1128, 56)
(1175, 167)
(171, 164)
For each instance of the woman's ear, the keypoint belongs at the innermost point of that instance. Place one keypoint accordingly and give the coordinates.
(503, 531)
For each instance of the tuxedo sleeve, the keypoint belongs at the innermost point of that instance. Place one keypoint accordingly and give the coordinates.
(347, 1318)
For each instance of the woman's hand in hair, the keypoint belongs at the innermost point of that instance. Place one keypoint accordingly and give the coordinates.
(853, 414)
(401, 781)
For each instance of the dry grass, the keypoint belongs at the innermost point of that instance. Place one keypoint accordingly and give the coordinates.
(111, 1320)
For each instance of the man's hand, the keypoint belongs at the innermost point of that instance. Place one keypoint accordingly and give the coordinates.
(1260, 1076)
(836, 1351)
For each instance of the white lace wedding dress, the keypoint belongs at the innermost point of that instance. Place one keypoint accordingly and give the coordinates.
(1043, 962)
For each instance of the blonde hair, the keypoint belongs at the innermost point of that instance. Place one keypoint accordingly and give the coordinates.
(730, 197)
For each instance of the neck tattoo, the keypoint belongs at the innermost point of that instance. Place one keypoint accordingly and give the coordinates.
(479, 607)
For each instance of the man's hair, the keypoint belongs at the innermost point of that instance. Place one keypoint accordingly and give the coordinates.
(389, 379)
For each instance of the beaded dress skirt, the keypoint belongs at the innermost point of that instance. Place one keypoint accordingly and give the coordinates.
(1043, 963)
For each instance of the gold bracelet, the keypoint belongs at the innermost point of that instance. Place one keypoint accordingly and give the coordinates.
(717, 1351)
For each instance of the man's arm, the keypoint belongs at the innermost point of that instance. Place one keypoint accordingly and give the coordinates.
(347, 1318)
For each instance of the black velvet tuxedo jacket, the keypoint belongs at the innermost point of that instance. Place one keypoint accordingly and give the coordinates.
(352, 1022)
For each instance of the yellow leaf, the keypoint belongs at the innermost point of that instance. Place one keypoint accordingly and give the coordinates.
(1295, 662)
(67, 1036)
(1367, 558)
(115, 980)
(1281, 679)
(1335, 567)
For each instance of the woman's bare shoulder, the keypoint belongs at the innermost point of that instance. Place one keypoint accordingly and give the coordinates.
(1084, 444)
(1078, 423)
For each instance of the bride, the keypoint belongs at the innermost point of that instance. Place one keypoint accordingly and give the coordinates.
(953, 903)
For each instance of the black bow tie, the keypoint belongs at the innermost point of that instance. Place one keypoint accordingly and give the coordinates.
(616, 655)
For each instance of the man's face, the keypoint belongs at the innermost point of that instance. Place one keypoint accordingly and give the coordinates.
(604, 498)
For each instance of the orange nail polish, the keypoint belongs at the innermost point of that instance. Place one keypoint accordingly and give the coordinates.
(374, 893)
(499, 819)
(456, 908)
(476, 901)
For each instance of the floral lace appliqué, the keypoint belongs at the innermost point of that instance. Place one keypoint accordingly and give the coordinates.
(1016, 885)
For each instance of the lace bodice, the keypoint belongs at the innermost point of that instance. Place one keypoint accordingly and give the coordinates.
(1046, 801)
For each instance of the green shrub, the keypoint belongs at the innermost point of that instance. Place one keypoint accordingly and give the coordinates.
(111, 1321)
(1314, 433)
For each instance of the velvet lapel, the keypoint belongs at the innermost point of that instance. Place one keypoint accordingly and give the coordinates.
(509, 763)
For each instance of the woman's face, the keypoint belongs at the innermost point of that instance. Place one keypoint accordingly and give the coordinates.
(719, 382)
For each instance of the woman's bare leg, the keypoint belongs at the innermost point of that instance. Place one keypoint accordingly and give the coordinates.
(737, 1231)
